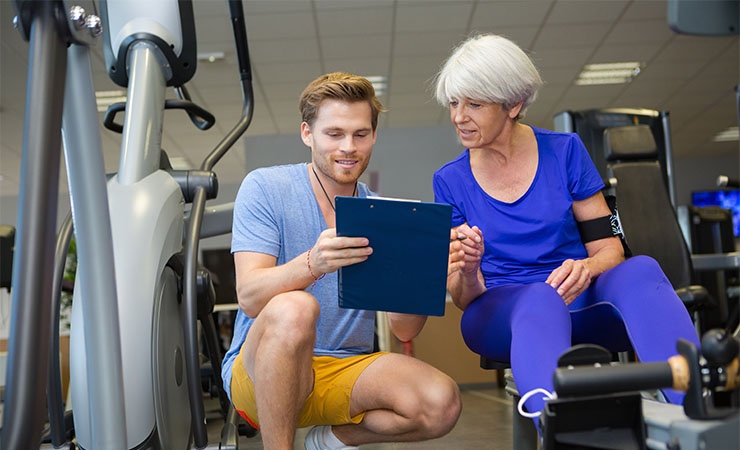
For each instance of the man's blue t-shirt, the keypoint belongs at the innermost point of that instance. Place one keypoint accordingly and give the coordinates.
(527, 239)
(276, 213)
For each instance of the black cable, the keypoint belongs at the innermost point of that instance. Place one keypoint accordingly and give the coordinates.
(55, 400)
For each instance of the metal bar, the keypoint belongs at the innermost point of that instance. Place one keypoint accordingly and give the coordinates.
(141, 143)
(716, 261)
(245, 74)
(601, 380)
(87, 185)
(668, 157)
(190, 318)
(33, 265)
(217, 220)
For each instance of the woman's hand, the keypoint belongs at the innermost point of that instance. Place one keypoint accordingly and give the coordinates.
(464, 277)
(571, 279)
(466, 250)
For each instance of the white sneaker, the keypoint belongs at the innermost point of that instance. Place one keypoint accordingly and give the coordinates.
(315, 439)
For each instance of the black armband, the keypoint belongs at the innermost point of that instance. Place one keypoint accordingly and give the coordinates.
(599, 228)
(603, 227)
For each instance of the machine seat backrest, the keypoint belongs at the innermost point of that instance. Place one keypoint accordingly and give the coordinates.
(648, 219)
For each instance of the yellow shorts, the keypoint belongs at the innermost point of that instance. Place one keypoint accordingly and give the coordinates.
(327, 404)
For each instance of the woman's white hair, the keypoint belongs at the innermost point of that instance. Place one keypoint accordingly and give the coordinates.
(489, 68)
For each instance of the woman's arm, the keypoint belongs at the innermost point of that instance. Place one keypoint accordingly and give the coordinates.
(574, 276)
(464, 277)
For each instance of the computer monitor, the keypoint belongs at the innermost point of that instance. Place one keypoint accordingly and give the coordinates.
(724, 198)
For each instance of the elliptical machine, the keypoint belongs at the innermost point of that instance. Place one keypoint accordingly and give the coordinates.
(135, 372)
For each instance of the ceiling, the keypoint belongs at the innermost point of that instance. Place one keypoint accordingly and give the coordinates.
(293, 41)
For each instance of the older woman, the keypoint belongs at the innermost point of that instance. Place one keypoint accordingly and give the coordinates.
(529, 285)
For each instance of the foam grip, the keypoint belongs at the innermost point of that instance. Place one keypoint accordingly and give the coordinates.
(680, 370)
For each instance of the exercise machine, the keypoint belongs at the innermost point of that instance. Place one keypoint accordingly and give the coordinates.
(138, 295)
(602, 405)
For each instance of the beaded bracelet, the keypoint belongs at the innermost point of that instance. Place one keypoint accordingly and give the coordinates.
(308, 263)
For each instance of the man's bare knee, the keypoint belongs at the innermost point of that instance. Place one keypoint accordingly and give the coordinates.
(441, 408)
(292, 317)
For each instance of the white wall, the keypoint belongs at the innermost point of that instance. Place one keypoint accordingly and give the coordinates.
(696, 174)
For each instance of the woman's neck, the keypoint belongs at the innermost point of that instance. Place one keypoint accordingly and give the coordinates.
(512, 143)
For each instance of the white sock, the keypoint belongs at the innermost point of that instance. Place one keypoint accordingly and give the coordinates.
(331, 440)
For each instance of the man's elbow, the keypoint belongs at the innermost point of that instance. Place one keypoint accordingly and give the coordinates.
(406, 337)
(247, 305)
(407, 328)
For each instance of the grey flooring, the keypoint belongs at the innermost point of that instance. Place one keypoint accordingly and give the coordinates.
(485, 423)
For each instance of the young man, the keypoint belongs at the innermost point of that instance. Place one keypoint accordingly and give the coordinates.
(297, 359)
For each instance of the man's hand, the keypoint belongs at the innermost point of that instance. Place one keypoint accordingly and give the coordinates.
(331, 252)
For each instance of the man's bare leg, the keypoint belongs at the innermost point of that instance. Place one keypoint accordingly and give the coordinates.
(278, 355)
(405, 400)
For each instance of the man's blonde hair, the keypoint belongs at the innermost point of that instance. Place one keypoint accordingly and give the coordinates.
(338, 86)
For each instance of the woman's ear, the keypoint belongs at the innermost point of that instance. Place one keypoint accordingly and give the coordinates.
(515, 110)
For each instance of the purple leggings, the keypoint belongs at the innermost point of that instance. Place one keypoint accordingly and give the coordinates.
(631, 306)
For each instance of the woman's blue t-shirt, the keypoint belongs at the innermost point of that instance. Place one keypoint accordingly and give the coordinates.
(527, 239)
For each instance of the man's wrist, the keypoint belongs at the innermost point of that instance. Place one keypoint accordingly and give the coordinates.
(315, 277)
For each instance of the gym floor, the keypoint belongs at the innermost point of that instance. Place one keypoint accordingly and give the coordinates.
(485, 423)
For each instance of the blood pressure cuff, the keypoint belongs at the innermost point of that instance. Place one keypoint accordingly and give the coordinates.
(604, 227)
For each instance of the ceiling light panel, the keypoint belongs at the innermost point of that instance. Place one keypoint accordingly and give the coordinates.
(608, 73)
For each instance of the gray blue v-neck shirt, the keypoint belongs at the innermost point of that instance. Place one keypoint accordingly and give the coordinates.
(276, 213)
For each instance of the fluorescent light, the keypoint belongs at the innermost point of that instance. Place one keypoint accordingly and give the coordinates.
(604, 80)
(615, 73)
(730, 134)
(210, 56)
(103, 99)
(380, 83)
(608, 73)
(612, 66)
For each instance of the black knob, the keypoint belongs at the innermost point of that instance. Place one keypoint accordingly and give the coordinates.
(718, 347)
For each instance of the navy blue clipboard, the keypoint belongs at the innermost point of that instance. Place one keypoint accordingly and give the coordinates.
(407, 271)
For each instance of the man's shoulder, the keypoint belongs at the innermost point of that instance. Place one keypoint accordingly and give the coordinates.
(278, 172)
(276, 177)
